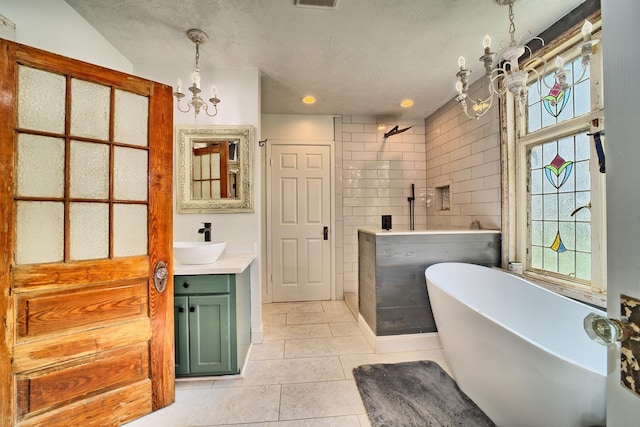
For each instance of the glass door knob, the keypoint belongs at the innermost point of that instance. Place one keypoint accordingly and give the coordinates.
(603, 330)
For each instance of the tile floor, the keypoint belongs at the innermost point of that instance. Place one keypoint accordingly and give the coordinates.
(301, 375)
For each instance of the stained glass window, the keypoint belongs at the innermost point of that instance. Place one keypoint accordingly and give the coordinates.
(559, 190)
(559, 199)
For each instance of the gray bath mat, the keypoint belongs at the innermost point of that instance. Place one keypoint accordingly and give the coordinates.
(415, 394)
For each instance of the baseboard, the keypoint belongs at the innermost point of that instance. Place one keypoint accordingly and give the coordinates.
(257, 335)
(397, 343)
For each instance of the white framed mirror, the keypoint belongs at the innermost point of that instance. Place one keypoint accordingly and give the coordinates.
(214, 169)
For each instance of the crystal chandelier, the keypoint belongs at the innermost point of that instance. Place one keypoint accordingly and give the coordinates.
(511, 75)
(199, 37)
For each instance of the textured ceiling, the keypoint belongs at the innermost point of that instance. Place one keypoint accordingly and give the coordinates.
(361, 58)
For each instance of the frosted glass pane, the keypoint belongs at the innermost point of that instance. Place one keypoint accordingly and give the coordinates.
(129, 230)
(131, 118)
(550, 209)
(89, 170)
(536, 181)
(215, 165)
(41, 100)
(536, 157)
(90, 105)
(536, 208)
(582, 147)
(536, 233)
(89, 230)
(536, 257)
(40, 232)
(550, 260)
(583, 266)
(567, 263)
(40, 166)
(130, 174)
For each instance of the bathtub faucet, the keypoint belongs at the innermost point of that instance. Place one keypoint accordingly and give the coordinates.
(206, 230)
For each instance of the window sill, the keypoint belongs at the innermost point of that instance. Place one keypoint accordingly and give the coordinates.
(598, 299)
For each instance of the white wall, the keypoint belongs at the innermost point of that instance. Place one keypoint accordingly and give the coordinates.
(464, 154)
(54, 26)
(621, 54)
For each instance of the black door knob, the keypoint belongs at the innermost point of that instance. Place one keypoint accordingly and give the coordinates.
(186, 285)
(192, 309)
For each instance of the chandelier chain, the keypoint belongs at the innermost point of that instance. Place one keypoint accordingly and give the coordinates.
(512, 25)
(196, 65)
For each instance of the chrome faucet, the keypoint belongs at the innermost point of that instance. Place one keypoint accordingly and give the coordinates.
(206, 230)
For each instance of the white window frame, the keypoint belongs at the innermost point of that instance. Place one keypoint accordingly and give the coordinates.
(516, 175)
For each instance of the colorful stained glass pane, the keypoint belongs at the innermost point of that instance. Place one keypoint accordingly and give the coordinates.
(556, 100)
(558, 171)
(558, 245)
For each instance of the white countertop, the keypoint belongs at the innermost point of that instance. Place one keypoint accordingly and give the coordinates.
(226, 264)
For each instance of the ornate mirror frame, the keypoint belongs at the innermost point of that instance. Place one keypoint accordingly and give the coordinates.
(186, 136)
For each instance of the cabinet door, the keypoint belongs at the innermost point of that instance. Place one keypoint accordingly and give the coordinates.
(210, 334)
(181, 328)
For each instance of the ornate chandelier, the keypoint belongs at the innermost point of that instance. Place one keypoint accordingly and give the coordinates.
(512, 75)
(199, 37)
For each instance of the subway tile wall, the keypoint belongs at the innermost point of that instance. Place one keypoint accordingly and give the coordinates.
(373, 178)
(464, 154)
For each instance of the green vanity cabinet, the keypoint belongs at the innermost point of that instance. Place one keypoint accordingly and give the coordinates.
(207, 316)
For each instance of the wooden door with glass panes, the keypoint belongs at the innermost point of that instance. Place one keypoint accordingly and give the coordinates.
(86, 169)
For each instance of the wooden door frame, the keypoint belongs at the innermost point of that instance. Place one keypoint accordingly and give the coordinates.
(160, 231)
(335, 292)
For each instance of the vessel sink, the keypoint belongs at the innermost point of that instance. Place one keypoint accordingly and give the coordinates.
(198, 252)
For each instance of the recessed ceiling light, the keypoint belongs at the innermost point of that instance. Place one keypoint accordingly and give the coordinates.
(406, 103)
(309, 99)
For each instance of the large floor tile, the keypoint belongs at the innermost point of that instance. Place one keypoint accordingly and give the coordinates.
(322, 399)
(263, 372)
(345, 329)
(324, 317)
(339, 306)
(292, 307)
(268, 350)
(296, 332)
(217, 406)
(274, 319)
(316, 347)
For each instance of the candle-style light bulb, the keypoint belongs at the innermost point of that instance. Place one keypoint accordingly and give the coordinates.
(559, 63)
(179, 85)
(587, 28)
(214, 91)
(195, 78)
(486, 42)
(461, 62)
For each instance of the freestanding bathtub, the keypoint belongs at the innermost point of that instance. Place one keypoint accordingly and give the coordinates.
(518, 350)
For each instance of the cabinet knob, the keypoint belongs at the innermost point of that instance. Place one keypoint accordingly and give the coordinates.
(180, 309)
(192, 309)
(186, 285)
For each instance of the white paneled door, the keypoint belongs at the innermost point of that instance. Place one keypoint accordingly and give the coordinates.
(300, 208)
